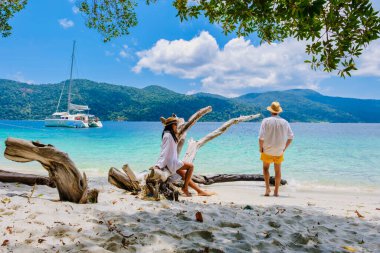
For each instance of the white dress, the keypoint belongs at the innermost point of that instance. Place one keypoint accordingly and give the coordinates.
(168, 156)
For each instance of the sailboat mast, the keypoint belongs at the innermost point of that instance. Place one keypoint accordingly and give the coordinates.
(71, 79)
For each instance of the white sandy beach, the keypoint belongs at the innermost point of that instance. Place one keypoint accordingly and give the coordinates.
(238, 219)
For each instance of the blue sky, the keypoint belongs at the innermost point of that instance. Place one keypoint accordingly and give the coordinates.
(188, 57)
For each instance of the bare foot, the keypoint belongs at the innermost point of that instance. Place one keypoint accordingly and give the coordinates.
(276, 194)
(185, 193)
(205, 193)
(267, 192)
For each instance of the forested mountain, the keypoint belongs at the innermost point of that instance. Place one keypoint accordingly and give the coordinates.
(112, 102)
(311, 106)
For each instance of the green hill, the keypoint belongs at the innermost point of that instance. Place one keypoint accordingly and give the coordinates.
(111, 102)
(311, 106)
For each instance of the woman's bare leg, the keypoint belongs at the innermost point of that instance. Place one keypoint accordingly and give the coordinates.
(186, 171)
(199, 190)
(183, 172)
(189, 173)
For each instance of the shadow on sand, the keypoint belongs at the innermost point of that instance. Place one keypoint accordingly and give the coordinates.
(134, 225)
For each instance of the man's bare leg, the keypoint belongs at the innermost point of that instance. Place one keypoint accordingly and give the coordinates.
(193, 185)
(266, 178)
(277, 171)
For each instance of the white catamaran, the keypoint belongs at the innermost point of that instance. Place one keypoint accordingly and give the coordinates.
(76, 120)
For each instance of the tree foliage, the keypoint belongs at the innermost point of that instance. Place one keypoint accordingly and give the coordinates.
(109, 17)
(337, 31)
(7, 9)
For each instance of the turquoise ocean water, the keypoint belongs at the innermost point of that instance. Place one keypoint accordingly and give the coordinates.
(322, 154)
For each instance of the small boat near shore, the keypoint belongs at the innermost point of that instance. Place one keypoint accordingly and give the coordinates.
(76, 120)
(94, 121)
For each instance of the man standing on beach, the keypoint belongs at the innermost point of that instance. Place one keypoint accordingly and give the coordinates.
(275, 137)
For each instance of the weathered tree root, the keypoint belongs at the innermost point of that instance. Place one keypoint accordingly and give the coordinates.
(62, 171)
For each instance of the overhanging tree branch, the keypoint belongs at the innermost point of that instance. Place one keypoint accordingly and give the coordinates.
(352, 24)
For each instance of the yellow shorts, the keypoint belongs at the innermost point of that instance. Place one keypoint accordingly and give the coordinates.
(271, 159)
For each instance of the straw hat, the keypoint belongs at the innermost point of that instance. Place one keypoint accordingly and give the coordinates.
(171, 120)
(274, 107)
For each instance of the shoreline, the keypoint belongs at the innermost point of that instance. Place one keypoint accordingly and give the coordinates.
(321, 157)
(293, 185)
(201, 121)
(295, 221)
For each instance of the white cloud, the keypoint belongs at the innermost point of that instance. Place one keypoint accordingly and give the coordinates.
(66, 23)
(75, 9)
(376, 5)
(123, 54)
(369, 61)
(126, 52)
(19, 77)
(191, 92)
(179, 57)
(237, 66)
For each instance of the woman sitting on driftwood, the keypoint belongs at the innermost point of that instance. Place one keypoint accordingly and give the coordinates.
(169, 161)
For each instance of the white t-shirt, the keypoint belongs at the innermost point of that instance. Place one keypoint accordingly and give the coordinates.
(168, 156)
(275, 131)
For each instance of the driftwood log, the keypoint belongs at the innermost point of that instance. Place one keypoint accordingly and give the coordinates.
(156, 184)
(156, 181)
(28, 179)
(183, 126)
(126, 181)
(223, 178)
(62, 171)
(194, 146)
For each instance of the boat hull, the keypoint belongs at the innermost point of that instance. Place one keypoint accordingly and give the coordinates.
(95, 124)
(65, 123)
